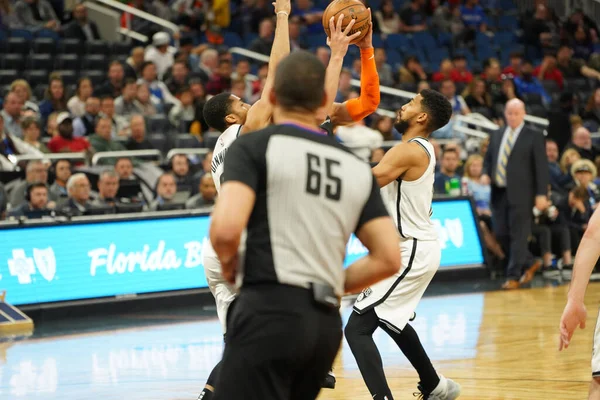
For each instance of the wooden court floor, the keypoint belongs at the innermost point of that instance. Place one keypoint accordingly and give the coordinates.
(497, 345)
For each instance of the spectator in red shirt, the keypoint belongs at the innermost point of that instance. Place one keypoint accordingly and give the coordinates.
(444, 72)
(514, 69)
(548, 71)
(65, 142)
(461, 73)
(221, 81)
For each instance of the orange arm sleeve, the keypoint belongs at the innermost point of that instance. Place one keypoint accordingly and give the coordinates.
(368, 101)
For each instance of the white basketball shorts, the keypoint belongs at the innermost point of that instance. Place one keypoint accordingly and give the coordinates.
(395, 299)
(596, 350)
(223, 292)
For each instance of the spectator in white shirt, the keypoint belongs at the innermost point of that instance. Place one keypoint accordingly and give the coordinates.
(360, 139)
(156, 87)
(76, 104)
(160, 53)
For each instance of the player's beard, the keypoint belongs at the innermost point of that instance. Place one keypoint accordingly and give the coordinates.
(402, 125)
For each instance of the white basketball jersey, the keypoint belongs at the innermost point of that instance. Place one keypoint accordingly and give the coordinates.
(220, 151)
(409, 202)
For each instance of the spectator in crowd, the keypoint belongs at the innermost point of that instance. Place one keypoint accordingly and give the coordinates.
(86, 124)
(322, 53)
(578, 212)
(55, 98)
(538, 32)
(412, 71)
(207, 65)
(108, 186)
(297, 40)
(156, 87)
(22, 89)
(137, 138)
(114, 85)
(136, 24)
(221, 81)
(516, 162)
(582, 44)
(479, 100)
(77, 104)
(36, 200)
(166, 187)
(459, 105)
(447, 173)
(385, 126)
(460, 72)
(387, 18)
(581, 140)
(579, 19)
(473, 16)
(163, 11)
(446, 19)
(527, 83)
(263, 43)
(422, 86)
(34, 14)
(185, 110)
(180, 167)
(36, 171)
(31, 134)
(81, 27)
(344, 86)
(514, 67)
(356, 68)
(567, 159)
(12, 145)
(51, 125)
(65, 142)
(133, 64)
(62, 173)
(386, 77)
(189, 13)
(481, 193)
(548, 71)
(592, 107)
(560, 181)
(376, 155)
(124, 168)
(584, 172)
(360, 139)
(11, 113)
(118, 124)
(207, 193)
(160, 53)
(492, 77)
(125, 104)
(242, 71)
(8, 20)
(238, 88)
(445, 71)
(78, 187)
(413, 18)
(102, 140)
(179, 77)
(572, 68)
(310, 15)
(146, 101)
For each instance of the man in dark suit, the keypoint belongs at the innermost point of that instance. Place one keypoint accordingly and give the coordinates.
(516, 166)
(80, 27)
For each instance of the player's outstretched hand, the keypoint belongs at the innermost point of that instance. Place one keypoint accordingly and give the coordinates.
(282, 5)
(338, 39)
(574, 315)
(367, 41)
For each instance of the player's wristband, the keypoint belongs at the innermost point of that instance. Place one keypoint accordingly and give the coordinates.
(283, 12)
(368, 52)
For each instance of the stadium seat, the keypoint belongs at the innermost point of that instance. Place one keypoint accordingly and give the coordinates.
(157, 124)
(66, 61)
(531, 99)
(210, 139)
(232, 39)
(121, 49)
(96, 76)
(7, 76)
(394, 59)
(40, 61)
(444, 39)
(70, 46)
(18, 45)
(96, 47)
(437, 55)
(12, 61)
(249, 38)
(398, 42)
(69, 77)
(159, 141)
(39, 91)
(424, 40)
(409, 87)
(578, 84)
(36, 77)
(550, 86)
(378, 41)
(537, 110)
(43, 45)
(47, 33)
(21, 33)
(187, 141)
(508, 23)
(94, 61)
(316, 40)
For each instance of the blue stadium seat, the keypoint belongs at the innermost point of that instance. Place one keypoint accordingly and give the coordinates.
(249, 38)
(316, 40)
(44, 45)
(398, 42)
(7, 76)
(505, 39)
(444, 39)
(437, 55)
(378, 41)
(508, 23)
(12, 61)
(424, 40)
(47, 33)
(21, 33)
(394, 59)
(231, 39)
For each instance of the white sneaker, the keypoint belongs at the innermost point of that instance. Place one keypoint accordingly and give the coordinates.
(447, 389)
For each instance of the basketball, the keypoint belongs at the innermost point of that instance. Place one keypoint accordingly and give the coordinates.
(352, 9)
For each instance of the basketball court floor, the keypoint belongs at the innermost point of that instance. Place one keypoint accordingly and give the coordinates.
(497, 345)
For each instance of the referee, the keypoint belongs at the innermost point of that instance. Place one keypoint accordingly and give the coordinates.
(300, 195)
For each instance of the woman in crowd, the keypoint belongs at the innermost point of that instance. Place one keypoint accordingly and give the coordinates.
(55, 99)
(479, 100)
(31, 134)
(22, 89)
(76, 104)
(387, 18)
(592, 108)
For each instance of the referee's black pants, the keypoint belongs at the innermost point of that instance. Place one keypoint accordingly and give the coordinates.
(280, 345)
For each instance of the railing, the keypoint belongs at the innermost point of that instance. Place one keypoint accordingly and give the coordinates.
(15, 159)
(126, 154)
(187, 151)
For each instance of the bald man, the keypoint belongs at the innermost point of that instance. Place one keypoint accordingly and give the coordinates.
(516, 165)
(581, 140)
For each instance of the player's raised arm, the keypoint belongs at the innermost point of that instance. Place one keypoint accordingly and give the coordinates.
(587, 255)
(367, 103)
(260, 113)
(397, 161)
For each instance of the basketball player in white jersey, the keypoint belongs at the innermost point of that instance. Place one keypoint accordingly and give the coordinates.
(231, 116)
(575, 313)
(406, 175)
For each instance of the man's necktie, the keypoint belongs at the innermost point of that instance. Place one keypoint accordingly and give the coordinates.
(503, 160)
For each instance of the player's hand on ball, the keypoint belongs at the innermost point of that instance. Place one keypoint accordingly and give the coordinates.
(367, 41)
(574, 315)
(282, 5)
(339, 40)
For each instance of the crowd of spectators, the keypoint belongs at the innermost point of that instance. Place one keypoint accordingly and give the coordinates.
(479, 54)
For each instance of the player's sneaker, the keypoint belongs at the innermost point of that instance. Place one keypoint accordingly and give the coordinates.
(447, 389)
(329, 381)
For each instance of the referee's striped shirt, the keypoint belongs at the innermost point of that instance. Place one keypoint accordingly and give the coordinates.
(311, 194)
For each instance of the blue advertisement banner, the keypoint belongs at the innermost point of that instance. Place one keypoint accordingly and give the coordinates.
(116, 258)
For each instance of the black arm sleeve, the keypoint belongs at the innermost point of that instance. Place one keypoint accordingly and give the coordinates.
(242, 162)
(374, 207)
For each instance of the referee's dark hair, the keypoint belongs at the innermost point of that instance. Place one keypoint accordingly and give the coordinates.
(216, 109)
(300, 82)
(437, 107)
